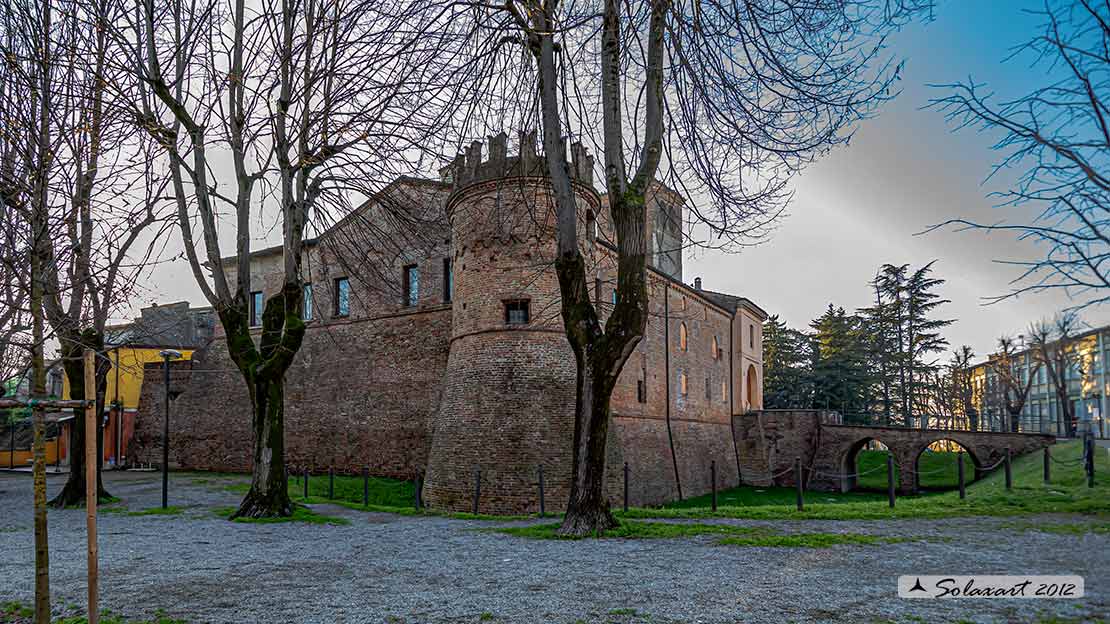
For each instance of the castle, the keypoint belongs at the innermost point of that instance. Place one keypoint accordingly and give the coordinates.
(435, 346)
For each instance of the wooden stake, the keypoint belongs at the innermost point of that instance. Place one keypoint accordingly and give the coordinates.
(92, 467)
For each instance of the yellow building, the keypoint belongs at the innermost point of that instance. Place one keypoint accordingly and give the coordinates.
(130, 348)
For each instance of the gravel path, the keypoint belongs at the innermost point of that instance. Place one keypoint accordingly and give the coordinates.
(387, 568)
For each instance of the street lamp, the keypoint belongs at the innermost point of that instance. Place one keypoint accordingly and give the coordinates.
(167, 355)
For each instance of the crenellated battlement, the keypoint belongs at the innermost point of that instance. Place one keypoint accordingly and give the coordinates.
(468, 167)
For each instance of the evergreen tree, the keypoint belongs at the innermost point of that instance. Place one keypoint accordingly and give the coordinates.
(787, 364)
(842, 376)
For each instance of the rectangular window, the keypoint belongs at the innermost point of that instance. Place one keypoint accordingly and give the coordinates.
(411, 285)
(306, 304)
(342, 297)
(641, 391)
(516, 312)
(751, 337)
(448, 281)
(708, 388)
(256, 309)
(682, 383)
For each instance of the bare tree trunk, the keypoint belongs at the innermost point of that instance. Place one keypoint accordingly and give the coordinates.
(73, 492)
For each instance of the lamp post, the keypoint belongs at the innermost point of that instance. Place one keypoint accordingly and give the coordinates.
(167, 355)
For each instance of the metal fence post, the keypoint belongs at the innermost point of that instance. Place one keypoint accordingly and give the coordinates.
(798, 481)
(306, 477)
(365, 486)
(1009, 473)
(890, 478)
(477, 488)
(960, 472)
(626, 486)
(713, 477)
(1047, 470)
(542, 510)
(1090, 462)
(418, 494)
(331, 482)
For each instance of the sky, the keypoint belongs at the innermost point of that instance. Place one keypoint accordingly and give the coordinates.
(868, 203)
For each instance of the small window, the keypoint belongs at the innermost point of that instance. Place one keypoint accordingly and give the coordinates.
(516, 312)
(724, 392)
(751, 336)
(256, 309)
(682, 336)
(682, 383)
(614, 297)
(342, 297)
(708, 388)
(411, 287)
(684, 304)
(641, 391)
(306, 303)
(448, 281)
(716, 349)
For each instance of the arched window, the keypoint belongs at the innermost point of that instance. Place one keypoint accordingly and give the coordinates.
(682, 383)
(682, 336)
(716, 349)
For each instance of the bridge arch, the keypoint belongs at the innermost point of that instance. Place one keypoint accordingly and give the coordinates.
(849, 461)
(955, 445)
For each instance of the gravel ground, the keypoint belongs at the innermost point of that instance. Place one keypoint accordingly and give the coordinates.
(387, 568)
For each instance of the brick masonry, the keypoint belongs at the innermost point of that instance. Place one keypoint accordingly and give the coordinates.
(448, 387)
(768, 442)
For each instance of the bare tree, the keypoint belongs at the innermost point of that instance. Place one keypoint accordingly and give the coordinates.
(1013, 390)
(725, 100)
(312, 102)
(104, 195)
(961, 371)
(1053, 348)
(1058, 136)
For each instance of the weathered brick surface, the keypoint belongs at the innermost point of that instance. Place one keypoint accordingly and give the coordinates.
(769, 441)
(449, 387)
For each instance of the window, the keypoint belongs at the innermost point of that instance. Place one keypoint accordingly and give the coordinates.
(708, 388)
(684, 304)
(306, 304)
(256, 309)
(641, 391)
(682, 383)
(342, 297)
(448, 281)
(724, 392)
(411, 285)
(682, 336)
(716, 349)
(751, 336)
(516, 312)
(614, 297)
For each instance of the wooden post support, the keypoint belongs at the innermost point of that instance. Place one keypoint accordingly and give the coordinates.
(1047, 460)
(331, 482)
(92, 466)
(306, 476)
(1009, 473)
(542, 509)
(713, 478)
(960, 473)
(626, 486)
(890, 493)
(477, 488)
(365, 487)
(1090, 461)
(418, 493)
(798, 481)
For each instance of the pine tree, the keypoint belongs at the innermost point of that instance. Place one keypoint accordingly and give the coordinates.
(787, 363)
(841, 372)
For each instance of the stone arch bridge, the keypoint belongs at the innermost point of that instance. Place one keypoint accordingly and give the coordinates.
(768, 441)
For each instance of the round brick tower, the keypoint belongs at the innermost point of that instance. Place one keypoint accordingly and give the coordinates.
(509, 389)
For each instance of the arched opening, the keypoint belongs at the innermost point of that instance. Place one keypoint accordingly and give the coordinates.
(753, 399)
(936, 465)
(864, 466)
(682, 337)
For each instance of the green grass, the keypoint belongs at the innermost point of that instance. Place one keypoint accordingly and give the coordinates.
(728, 535)
(300, 514)
(14, 609)
(383, 492)
(1077, 528)
(1068, 493)
(748, 496)
(11, 610)
(939, 470)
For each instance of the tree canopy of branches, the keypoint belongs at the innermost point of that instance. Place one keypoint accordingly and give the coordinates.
(313, 103)
(724, 101)
(101, 185)
(1058, 137)
(1053, 347)
(1014, 381)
